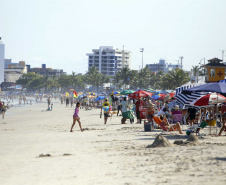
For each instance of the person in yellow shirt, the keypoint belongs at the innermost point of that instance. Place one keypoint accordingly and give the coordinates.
(106, 108)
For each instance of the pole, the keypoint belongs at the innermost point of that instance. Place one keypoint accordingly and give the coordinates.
(223, 55)
(142, 61)
(142, 50)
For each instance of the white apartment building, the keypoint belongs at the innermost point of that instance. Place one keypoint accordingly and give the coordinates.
(108, 60)
(2, 61)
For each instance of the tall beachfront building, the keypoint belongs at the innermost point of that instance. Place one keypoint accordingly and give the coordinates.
(2, 61)
(109, 60)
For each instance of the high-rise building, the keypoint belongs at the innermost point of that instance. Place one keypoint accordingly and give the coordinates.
(108, 60)
(2, 61)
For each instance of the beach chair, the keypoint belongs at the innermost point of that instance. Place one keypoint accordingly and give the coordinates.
(159, 122)
(196, 129)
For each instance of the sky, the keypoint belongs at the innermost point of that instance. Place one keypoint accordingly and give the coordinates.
(59, 33)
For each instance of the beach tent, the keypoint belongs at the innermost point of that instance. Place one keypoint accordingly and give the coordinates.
(209, 87)
(222, 81)
(186, 99)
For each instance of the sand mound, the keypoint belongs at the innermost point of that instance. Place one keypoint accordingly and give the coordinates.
(160, 141)
(192, 138)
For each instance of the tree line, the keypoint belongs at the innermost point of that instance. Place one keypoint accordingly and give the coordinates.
(142, 79)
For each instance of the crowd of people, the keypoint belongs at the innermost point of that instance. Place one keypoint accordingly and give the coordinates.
(155, 112)
(158, 113)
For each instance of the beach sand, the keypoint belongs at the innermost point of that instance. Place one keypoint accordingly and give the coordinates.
(37, 148)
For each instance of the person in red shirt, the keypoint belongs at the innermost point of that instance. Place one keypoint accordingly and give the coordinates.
(138, 104)
(223, 112)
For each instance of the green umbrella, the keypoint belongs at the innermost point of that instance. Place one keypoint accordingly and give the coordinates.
(126, 92)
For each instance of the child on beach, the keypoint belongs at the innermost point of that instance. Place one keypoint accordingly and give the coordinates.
(76, 117)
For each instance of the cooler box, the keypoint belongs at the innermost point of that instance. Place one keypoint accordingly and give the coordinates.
(147, 127)
(212, 123)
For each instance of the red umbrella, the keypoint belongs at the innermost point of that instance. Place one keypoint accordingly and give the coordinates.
(209, 99)
(162, 96)
(172, 94)
(139, 94)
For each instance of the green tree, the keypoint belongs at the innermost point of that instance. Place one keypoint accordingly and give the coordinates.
(36, 83)
(26, 78)
(175, 78)
(94, 77)
(64, 81)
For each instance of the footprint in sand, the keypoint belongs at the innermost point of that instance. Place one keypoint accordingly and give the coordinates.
(44, 155)
(67, 154)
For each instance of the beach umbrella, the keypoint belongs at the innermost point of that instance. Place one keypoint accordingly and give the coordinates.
(126, 92)
(209, 87)
(209, 99)
(163, 96)
(81, 95)
(90, 96)
(139, 94)
(172, 94)
(157, 96)
(100, 98)
(114, 93)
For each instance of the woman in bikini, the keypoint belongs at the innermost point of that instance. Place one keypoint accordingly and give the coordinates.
(76, 117)
(175, 126)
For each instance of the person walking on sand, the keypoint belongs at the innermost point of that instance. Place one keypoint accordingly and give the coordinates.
(106, 107)
(3, 109)
(76, 118)
(223, 112)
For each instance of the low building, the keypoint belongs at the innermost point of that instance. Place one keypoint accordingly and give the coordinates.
(162, 66)
(13, 71)
(215, 70)
(49, 72)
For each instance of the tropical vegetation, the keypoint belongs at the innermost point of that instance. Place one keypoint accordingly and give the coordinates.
(125, 78)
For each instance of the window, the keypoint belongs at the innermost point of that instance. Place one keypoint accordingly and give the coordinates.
(212, 72)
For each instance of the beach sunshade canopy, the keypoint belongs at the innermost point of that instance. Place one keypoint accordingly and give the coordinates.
(209, 87)
(163, 96)
(209, 99)
(126, 92)
(157, 96)
(114, 93)
(100, 98)
(139, 94)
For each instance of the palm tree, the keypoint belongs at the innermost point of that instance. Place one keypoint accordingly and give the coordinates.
(94, 77)
(124, 75)
(175, 78)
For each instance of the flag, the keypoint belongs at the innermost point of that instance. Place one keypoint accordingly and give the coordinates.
(67, 94)
(75, 94)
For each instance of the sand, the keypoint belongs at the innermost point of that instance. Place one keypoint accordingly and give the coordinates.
(37, 148)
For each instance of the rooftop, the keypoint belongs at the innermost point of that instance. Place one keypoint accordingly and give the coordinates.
(215, 62)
